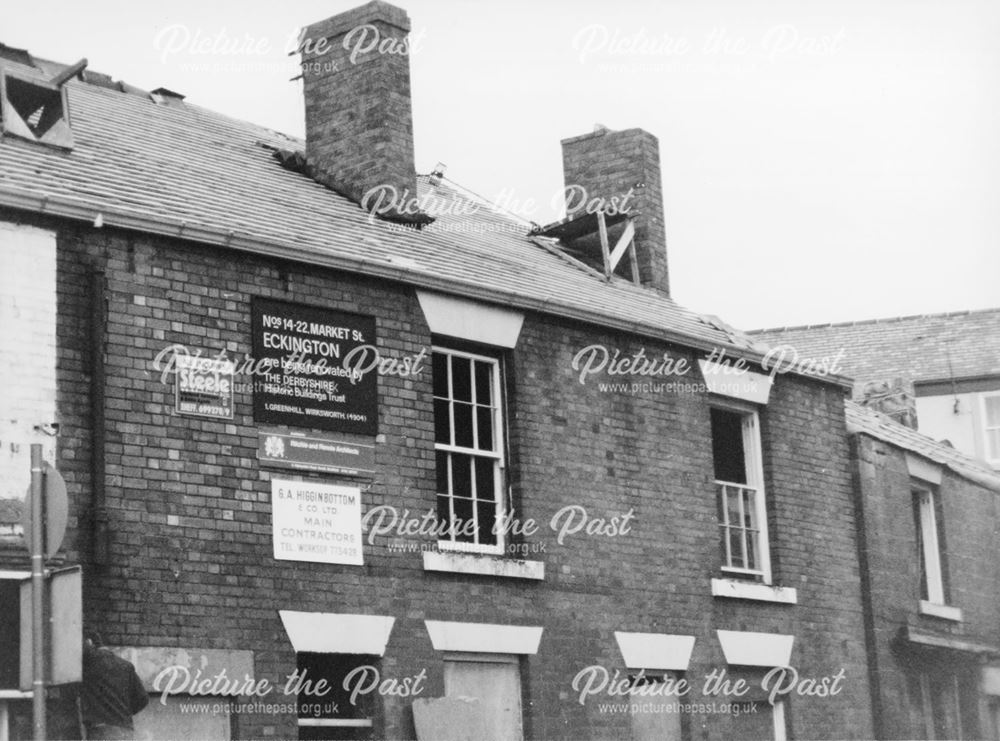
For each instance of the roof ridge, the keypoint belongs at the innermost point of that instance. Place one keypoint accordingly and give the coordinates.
(120, 86)
(879, 320)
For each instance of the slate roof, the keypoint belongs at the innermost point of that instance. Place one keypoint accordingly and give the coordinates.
(164, 166)
(929, 347)
(868, 421)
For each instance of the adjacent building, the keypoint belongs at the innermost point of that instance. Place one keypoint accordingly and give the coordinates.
(929, 519)
(937, 372)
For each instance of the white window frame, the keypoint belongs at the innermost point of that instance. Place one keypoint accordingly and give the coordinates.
(987, 428)
(778, 718)
(929, 545)
(6, 697)
(499, 442)
(753, 458)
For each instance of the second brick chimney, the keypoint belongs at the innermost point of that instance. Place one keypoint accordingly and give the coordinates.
(608, 164)
(359, 118)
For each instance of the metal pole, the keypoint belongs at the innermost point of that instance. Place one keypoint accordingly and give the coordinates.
(37, 593)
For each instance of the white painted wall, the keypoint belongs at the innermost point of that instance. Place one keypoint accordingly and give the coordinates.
(938, 418)
(27, 350)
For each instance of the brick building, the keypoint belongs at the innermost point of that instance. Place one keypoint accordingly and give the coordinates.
(930, 528)
(251, 521)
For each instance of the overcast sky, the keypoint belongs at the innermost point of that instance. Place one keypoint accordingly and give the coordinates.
(831, 160)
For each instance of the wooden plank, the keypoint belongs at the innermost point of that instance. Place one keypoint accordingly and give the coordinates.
(624, 242)
(449, 719)
(602, 227)
(69, 73)
(634, 261)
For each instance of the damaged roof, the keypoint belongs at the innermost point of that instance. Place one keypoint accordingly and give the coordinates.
(861, 419)
(155, 163)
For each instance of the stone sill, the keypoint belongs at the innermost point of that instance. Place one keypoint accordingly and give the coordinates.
(471, 563)
(736, 589)
(945, 612)
(15, 695)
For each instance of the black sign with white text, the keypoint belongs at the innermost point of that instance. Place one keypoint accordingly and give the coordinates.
(312, 378)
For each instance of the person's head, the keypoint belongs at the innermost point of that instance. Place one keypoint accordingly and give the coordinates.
(92, 638)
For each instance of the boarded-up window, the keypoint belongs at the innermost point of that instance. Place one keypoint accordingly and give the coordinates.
(27, 357)
(655, 715)
(494, 682)
(184, 717)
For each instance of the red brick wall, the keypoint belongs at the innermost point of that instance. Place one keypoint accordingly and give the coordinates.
(190, 508)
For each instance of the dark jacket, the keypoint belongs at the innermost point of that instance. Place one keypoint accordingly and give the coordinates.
(112, 692)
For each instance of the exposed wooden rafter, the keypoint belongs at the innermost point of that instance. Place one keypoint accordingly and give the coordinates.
(626, 243)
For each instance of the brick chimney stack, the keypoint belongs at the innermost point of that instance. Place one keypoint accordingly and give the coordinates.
(359, 117)
(608, 164)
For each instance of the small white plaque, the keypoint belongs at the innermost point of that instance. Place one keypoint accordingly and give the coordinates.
(316, 522)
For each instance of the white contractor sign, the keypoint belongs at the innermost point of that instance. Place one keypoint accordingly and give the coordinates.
(316, 522)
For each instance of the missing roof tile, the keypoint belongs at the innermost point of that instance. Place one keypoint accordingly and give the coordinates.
(163, 96)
